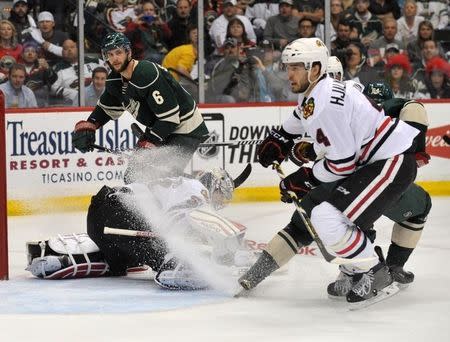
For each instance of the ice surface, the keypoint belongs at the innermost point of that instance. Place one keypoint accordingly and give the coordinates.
(292, 306)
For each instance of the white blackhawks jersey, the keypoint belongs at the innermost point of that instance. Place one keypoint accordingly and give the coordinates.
(346, 129)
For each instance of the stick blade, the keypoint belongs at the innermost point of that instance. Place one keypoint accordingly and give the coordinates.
(243, 176)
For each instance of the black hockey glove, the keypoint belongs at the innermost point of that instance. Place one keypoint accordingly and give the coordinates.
(83, 136)
(299, 182)
(275, 147)
(302, 153)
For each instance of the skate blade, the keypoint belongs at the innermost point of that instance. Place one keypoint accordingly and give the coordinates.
(240, 292)
(383, 294)
(337, 298)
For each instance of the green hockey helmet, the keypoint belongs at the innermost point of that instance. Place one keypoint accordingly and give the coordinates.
(378, 91)
(113, 41)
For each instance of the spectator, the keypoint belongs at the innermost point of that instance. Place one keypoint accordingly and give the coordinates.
(408, 24)
(241, 6)
(339, 45)
(437, 78)
(414, 48)
(435, 11)
(49, 39)
(355, 67)
(59, 8)
(66, 85)
(6, 62)
(178, 25)
(148, 34)
(218, 30)
(180, 60)
(368, 24)
(167, 9)
(398, 72)
(336, 14)
(39, 75)
(231, 79)
(389, 33)
(385, 9)
(119, 14)
(282, 28)
(97, 87)
(8, 40)
(21, 18)
(259, 13)
(312, 9)
(306, 28)
(236, 29)
(17, 95)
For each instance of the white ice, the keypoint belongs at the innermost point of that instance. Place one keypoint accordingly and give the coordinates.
(291, 306)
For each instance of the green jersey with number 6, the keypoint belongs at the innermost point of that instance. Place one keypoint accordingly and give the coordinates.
(155, 99)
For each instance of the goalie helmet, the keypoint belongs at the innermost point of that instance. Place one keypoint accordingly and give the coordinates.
(306, 51)
(113, 41)
(334, 68)
(219, 184)
(379, 92)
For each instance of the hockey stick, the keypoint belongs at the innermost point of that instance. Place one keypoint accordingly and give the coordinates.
(304, 216)
(127, 232)
(138, 132)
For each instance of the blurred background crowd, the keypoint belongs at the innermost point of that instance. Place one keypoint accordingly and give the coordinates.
(406, 43)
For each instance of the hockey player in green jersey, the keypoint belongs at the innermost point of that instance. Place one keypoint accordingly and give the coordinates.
(155, 99)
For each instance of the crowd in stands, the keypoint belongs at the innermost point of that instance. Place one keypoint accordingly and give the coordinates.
(403, 42)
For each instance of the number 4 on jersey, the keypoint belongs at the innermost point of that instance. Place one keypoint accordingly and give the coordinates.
(322, 138)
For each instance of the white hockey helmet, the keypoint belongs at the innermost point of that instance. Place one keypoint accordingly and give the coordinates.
(335, 69)
(306, 51)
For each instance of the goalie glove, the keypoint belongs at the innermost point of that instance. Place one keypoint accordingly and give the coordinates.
(302, 153)
(275, 147)
(83, 136)
(299, 182)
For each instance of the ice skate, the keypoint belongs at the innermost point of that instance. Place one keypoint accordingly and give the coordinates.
(401, 277)
(341, 287)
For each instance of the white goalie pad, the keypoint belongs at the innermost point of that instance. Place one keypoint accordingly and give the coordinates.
(65, 256)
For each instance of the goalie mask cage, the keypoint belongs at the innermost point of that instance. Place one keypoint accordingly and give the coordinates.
(3, 198)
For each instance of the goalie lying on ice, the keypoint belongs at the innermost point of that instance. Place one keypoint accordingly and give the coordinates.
(181, 206)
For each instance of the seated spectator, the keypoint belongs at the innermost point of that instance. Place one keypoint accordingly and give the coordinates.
(119, 14)
(241, 6)
(389, 33)
(180, 60)
(39, 75)
(60, 10)
(435, 11)
(236, 29)
(6, 62)
(182, 19)
(437, 78)
(312, 9)
(306, 28)
(259, 13)
(218, 30)
(65, 88)
(408, 24)
(148, 34)
(368, 24)
(97, 87)
(355, 67)
(21, 18)
(282, 28)
(385, 9)
(398, 73)
(49, 39)
(231, 79)
(9, 45)
(339, 45)
(17, 95)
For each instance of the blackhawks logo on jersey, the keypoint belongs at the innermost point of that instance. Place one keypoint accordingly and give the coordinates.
(308, 108)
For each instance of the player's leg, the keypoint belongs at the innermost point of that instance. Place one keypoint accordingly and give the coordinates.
(353, 207)
(121, 252)
(409, 214)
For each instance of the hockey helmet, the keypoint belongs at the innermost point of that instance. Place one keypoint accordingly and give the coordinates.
(306, 51)
(219, 184)
(378, 91)
(334, 68)
(113, 41)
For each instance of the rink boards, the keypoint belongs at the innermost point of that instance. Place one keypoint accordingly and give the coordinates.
(45, 173)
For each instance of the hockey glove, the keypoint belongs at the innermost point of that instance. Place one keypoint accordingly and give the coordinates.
(302, 153)
(144, 143)
(299, 182)
(83, 136)
(422, 159)
(274, 148)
